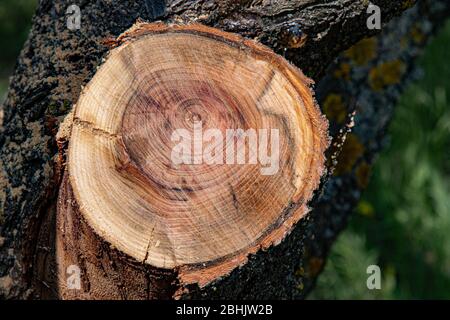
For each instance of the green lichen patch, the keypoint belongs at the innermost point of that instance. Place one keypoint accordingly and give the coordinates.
(334, 108)
(362, 52)
(386, 74)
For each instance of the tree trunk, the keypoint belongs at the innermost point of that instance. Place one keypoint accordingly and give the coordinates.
(56, 62)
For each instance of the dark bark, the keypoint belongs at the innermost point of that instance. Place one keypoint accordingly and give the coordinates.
(56, 62)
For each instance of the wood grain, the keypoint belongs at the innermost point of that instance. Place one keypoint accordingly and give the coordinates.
(196, 221)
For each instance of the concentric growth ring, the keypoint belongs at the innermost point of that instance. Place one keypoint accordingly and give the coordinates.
(163, 85)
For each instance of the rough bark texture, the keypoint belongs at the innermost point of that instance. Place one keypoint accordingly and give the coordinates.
(56, 62)
(107, 272)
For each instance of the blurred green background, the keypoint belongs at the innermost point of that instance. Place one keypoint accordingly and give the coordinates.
(403, 222)
(15, 22)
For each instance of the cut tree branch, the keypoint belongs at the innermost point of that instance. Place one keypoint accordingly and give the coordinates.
(51, 70)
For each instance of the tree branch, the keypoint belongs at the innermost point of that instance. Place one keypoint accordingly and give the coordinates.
(56, 62)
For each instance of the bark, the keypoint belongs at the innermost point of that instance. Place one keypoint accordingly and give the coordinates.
(56, 62)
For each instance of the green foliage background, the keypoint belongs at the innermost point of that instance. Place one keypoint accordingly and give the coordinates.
(403, 222)
(15, 22)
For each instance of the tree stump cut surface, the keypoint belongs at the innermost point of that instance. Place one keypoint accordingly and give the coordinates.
(202, 219)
